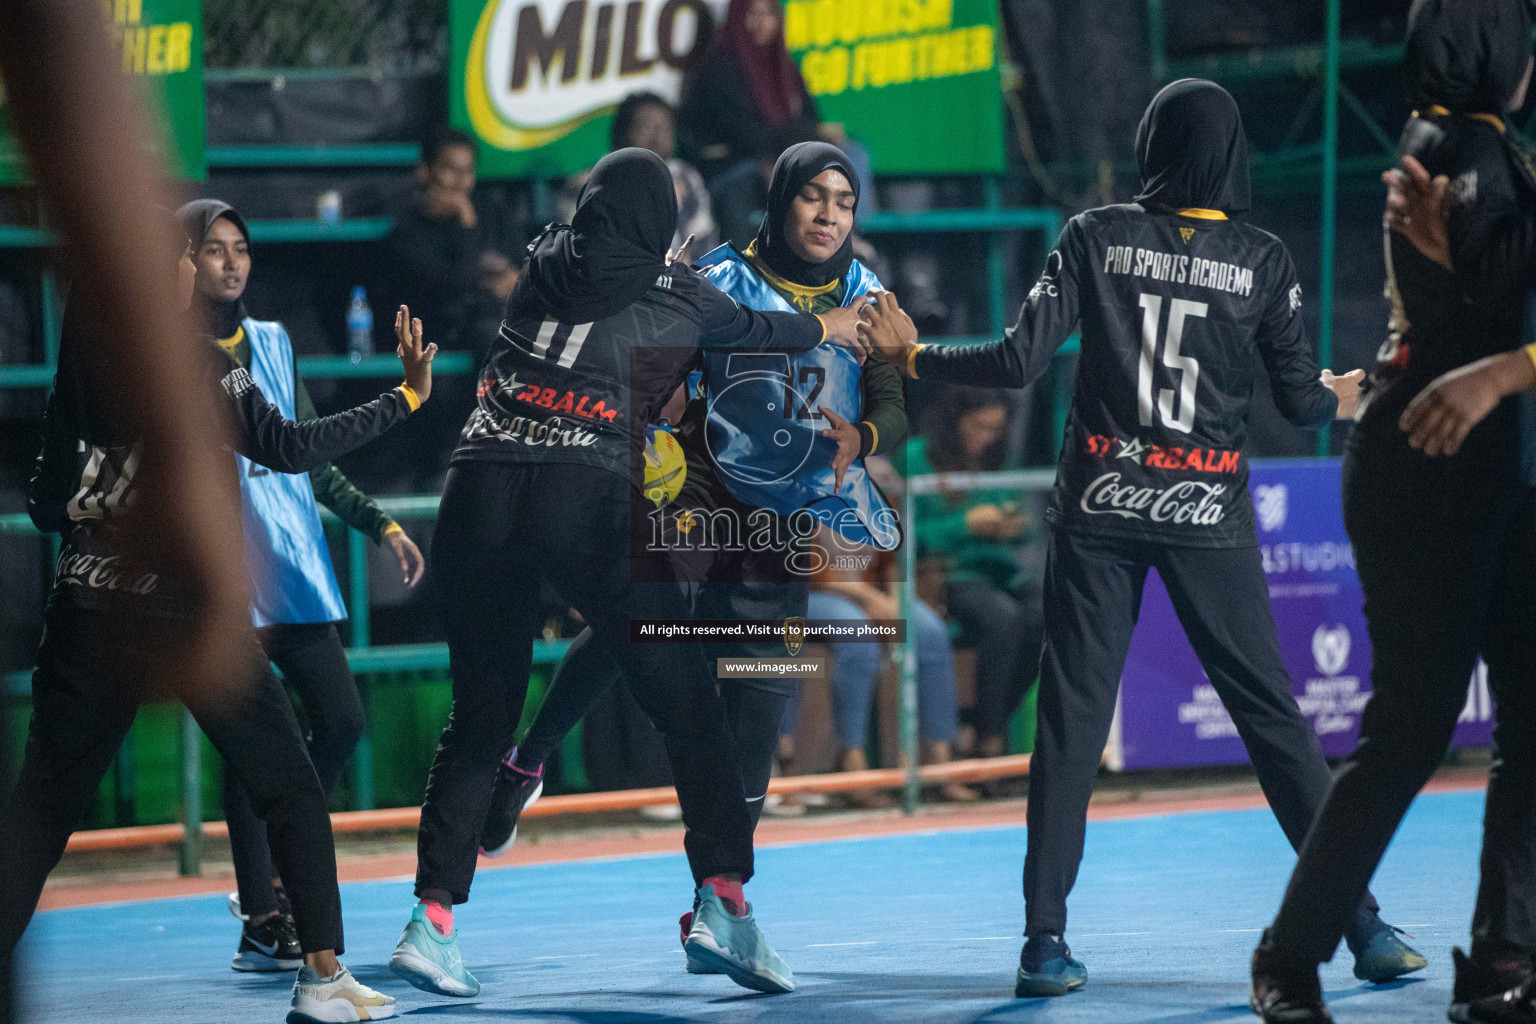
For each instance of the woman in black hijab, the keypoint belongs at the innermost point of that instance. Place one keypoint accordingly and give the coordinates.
(1192, 150)
(1179, 271)
(615, 247)
(598, 333)
(797, 167)
(1443, 545)
(803, 252)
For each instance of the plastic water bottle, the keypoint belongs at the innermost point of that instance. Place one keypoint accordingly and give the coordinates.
(359, 325)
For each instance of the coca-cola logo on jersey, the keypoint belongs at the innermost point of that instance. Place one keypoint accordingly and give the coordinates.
(1188, 501)
(102, 572)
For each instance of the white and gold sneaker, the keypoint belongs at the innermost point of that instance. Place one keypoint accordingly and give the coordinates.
(338, 999)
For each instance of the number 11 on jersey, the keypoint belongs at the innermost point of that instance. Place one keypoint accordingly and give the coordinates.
(1188, 366)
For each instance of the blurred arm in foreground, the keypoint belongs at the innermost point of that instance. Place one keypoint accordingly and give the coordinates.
(80, 126)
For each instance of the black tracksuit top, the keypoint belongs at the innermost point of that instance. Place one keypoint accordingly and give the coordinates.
(1172, 307)
(1441, 320)
(583, 393)
(85, 474)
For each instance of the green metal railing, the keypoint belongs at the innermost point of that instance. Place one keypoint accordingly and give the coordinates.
(992, 219)
(1023, 480)
(1324, 65)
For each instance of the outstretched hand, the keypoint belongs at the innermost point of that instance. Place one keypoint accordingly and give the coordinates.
(682, 254)
(843, 329)
(1416, 209)
(416, 357)
(1440, 417)
(848, 443)
(888, 330)
(1347, 389)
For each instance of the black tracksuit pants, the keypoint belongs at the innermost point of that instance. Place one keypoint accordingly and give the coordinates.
(729, 585)
(1446, 551)
(93, 669)
(1093, 589)
(753, 715)
(314, 666)
(502, 530)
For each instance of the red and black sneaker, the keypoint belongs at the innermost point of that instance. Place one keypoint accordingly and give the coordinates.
(517, 789)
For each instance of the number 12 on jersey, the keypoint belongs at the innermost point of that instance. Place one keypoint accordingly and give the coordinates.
(1188, 366)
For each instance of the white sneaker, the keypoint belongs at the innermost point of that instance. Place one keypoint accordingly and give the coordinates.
(661, 812)
(339, 999)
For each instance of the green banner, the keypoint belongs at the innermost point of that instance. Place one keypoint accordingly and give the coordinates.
(537, 81)
(161, 43)
(915, 81)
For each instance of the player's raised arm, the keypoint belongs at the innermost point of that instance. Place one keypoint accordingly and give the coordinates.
(1047, 319)
(726, 323)
(1305, 394)
(265, 435)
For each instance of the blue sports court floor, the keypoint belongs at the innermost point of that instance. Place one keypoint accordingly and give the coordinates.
(920, 927)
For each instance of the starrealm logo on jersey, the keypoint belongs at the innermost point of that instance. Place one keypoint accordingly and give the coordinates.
(1188, 501)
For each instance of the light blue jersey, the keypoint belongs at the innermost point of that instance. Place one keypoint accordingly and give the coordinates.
(764, 431)
(285, 551)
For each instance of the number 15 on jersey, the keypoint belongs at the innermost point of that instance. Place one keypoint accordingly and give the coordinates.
(1189, 368)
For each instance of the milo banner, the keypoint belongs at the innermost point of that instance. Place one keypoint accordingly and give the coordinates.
(915, 81)
(537, 81)
(1170, 715)
(159, 42)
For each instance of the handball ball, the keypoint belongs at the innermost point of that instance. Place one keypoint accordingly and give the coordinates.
(665, 468)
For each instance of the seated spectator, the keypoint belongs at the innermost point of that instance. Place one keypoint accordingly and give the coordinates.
(977, 534)
(745, 102)
(436, 261)
(854, 666)
(646, 121)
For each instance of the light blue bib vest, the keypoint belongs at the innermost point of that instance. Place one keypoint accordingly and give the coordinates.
(764, 431)
(285, 551)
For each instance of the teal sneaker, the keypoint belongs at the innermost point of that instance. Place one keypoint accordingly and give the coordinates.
(719, 941)
(1386, 957)
(431, 961)
(1048, 968)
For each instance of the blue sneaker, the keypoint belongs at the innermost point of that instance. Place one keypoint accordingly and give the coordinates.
(431, 961)
(1048, 968)
(719, 941)
(1386, 956)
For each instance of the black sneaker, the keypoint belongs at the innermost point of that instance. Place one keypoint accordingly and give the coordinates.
(1516, 1006)
(1285, 992)
(516, 791)
(1048, 968)
(269, 945)
(1479, 981)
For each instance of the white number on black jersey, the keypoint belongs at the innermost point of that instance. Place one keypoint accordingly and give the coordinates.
(1188, 366)
(561, 342)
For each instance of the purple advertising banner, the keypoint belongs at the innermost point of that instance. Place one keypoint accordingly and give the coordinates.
(1170, 715)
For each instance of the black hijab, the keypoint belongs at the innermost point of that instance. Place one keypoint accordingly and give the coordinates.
(1466, 55)
(196, 219)
(1192, 149)
(615, 247)
(796, 166)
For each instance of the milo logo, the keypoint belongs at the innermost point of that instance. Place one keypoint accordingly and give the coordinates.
(536, 70)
